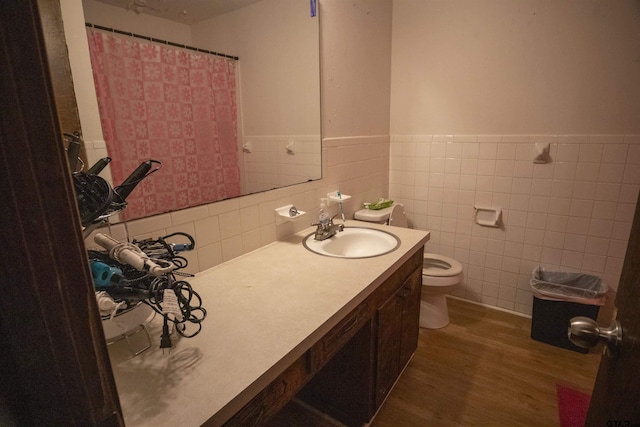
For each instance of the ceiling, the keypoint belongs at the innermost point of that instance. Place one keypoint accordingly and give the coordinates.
(183, 11)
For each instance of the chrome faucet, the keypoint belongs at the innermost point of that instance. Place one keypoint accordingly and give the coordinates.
(328, 229)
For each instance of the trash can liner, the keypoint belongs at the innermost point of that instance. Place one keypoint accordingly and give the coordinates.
(567, 286)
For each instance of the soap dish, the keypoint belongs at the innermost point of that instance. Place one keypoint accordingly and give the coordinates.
(288, 213)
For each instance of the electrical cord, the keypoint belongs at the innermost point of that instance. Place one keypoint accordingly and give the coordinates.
(137, 286)
(190, 304)
(163, 250)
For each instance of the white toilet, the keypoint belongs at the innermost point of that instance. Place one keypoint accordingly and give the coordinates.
(440, 274)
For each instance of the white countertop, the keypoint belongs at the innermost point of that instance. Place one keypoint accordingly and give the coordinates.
(264, 310)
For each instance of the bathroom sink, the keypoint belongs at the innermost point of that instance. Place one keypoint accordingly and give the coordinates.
(354, 242)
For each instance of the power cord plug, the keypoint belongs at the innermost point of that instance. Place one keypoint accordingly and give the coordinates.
(165, 340)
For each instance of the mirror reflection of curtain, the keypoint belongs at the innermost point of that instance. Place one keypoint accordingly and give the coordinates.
(168, 104)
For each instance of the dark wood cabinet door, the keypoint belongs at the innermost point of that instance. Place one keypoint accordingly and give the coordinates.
(344, 388)
(411, 290)
(389, 319)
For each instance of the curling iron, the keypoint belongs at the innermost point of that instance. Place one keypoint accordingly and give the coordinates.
(127, 253)
(98, 166)
(141, 172)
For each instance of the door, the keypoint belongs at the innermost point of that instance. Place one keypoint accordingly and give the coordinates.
(614, 401)
(54, 363)
(60, 70)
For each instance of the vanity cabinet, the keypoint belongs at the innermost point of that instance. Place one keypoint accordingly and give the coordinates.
(349, 372)
(354, 383)
(285, 338)
(397, 334)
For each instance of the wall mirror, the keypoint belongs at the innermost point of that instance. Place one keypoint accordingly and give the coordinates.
(277, 92)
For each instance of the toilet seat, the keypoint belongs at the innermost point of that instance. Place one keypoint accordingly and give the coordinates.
(440, 266)
(398, 218)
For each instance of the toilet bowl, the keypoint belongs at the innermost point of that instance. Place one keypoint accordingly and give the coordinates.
(440, 274)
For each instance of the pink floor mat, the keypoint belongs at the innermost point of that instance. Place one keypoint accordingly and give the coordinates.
(572, 406)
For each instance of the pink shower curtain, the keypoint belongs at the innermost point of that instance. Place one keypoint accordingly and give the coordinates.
(168, 104)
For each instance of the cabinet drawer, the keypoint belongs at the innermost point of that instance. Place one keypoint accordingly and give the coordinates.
(337, 337)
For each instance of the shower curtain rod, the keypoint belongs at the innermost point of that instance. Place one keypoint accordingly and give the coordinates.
(127, 33)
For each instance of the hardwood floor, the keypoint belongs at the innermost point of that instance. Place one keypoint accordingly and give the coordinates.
(484, 370)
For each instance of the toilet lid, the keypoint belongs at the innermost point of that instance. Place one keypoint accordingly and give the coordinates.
(440, 266)
(370, 215)
(398, 218)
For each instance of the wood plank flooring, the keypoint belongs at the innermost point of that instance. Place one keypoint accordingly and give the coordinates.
(481, 370)
(484, 370)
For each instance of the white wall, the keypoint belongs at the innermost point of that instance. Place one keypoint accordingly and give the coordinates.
(356, 67)
(355, 147)
(103, 14)
(465, 72)
(80, 62)
(515, 67)
(278, 88)
(474, 86)
(573, 214)
(356, 70)
(279, 71)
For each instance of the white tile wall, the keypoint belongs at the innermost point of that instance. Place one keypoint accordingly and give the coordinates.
(269, 164)
(573, 213)
(357, 166)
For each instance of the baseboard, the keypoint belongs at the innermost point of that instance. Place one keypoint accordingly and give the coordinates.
(492, 307)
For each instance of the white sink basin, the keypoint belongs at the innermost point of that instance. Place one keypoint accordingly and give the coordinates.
(354, 242)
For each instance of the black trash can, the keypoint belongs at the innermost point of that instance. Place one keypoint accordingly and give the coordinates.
(560, 296)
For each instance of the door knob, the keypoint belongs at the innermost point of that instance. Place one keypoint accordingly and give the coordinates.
(586, 333)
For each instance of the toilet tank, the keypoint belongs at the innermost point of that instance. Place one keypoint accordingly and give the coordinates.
(379, 216)
(393, 215)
